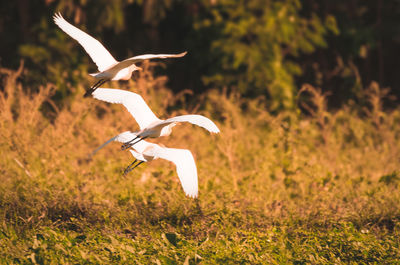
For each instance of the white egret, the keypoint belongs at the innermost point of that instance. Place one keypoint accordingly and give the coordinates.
(145, 152)
(150, 125)
(109, 68)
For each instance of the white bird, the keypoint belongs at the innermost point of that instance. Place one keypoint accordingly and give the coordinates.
(150, 125)
(145, 152)
(109, 68)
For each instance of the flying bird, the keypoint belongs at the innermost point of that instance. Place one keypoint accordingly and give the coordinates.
(150, 125)
(146, 152)
(109, 68)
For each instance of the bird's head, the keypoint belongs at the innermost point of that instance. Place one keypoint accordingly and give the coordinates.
(167, 130)
(133, 68)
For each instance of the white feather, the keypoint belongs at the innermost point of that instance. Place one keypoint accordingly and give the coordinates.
(150, 125)
(185, 167)
(100, 55)
(137, 59)
(133, 102)
(110, 69)
(138, 156)
(182, 158)
(195, 119)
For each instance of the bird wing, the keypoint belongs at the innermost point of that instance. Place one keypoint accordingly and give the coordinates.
(198, 120)
(122, 137)
(128, 62)
(133, 102)
(93, 47)
(137, 155)
(185, 167)
(103, 145)
(125, 137)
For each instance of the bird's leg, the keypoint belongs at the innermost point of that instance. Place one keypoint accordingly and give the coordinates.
(97, 83)
(102, 81)
(140, 139)
(130, 168)
(94, 87)
(128, 144)
(141, 162)
(131, 143)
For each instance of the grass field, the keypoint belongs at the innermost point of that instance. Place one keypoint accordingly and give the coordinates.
(288, 188)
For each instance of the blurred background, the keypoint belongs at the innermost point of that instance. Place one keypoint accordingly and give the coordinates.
(255, 47)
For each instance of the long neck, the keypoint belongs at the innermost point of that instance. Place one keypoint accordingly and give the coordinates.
(124, 74)
(167, 130)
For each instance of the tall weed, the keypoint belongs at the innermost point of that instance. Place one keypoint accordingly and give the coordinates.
(263, 174)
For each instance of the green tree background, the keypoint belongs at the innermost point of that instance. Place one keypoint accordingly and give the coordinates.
(257, 47)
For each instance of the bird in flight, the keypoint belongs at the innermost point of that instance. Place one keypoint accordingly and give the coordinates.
(146, 152)
(109, 68)
(150, 125)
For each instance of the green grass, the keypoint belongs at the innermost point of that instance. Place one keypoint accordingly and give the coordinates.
(274, 189)
(276, 244)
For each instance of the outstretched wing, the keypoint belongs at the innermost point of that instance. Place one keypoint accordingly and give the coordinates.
(93, 47)
(185, 167)
(198, 120)
(122, 137)
(133, 102)
(128, 62)
(125, 137)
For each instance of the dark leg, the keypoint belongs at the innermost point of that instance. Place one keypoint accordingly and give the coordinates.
(128, 144)
(98, 85)
(138, 141)
(98, 82)
(141, 162)
(131, 143)
(130, 168)
(94, 87)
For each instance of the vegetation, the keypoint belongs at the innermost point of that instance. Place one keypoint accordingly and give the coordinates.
(305, 170)
(286, 188)
(260, 47)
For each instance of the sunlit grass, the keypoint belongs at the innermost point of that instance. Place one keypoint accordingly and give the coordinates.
(285, 188)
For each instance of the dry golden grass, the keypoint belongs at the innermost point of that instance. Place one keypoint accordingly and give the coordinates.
(279, 188)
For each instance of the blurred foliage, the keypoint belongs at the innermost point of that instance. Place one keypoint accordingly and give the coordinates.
(361, 53)
(257, 47)
(255, 42)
